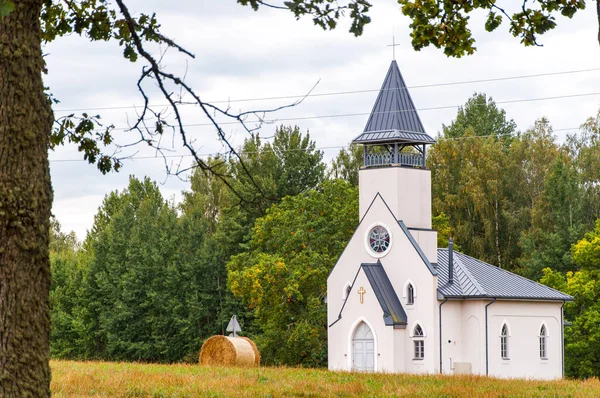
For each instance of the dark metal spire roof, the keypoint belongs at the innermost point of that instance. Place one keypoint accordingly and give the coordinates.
(394, 117)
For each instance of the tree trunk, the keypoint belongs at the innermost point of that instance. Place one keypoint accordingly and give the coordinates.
(25, 202)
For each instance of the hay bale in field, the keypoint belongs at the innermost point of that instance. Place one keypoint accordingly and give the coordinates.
(229, 351)
(256, 352)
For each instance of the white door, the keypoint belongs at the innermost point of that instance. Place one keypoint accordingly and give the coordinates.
(363, 349)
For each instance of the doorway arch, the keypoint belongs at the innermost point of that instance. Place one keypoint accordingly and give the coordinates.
(363, 348)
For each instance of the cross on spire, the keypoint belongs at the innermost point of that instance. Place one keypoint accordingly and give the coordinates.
(393, 45)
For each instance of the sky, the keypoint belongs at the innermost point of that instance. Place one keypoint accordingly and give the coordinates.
(257, 56)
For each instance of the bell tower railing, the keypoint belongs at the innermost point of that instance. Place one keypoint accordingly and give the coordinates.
(393, 155)
(387, 159)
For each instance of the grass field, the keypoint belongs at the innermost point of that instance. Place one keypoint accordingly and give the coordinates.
(103, 379)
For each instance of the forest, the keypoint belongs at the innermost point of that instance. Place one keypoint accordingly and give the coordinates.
(153, 278)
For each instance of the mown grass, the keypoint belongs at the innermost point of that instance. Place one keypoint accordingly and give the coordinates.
(106, 379)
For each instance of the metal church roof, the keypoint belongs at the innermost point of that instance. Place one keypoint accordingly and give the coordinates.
(393, 313)
(476, 279)
(394, 117)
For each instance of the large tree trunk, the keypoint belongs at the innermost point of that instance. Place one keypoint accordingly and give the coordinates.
(25, 202)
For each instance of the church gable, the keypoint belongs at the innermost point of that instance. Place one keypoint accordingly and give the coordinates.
(359, 248)
(392, 310)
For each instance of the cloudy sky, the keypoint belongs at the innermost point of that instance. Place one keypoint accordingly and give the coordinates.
(242, 54)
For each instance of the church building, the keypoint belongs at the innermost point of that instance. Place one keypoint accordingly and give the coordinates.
(398, 303)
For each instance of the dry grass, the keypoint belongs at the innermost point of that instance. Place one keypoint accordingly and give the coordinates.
(103, 379)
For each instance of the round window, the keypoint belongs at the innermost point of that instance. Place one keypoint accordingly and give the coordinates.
(379, 239)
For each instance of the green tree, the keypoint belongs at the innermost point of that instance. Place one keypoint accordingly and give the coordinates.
(347, 164)
(481, 114)
(141, 288)
(581, 348)
(470, 182)
(68, 296)
(283, 275)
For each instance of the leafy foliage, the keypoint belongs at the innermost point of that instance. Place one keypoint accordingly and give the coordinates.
(283, 275)
(325, 13)
(6, 7)
(445, 24)
(347, 164)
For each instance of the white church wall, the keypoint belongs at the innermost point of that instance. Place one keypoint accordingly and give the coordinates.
(341, 333)
(524, 320)
(452, 335)
(406, 190)
(427, 241)
(400, 336)
(473, 336)
(401, 263)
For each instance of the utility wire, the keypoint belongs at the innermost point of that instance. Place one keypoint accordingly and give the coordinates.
(291, 119)
(495, 79)
(215, 154)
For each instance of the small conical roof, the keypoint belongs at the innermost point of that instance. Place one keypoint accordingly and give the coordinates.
(394, 117)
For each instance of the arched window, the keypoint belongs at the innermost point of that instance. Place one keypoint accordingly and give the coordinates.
(543, 342)
(504, 342)
(410, 294)
(419, 343)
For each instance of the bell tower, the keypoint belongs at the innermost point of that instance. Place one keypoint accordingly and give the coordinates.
(394, 160)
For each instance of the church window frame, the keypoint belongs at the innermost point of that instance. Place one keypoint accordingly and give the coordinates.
(410, 294)
(505, 342)
(405, 295)
(543, 340)
(389, 240)
(418, 335)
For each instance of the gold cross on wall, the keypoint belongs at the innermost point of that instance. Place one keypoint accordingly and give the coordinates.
(362, 292)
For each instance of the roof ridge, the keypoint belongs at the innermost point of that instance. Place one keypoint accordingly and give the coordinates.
(517, 275)
(467, 273)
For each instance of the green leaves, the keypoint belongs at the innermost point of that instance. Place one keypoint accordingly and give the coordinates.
(446, 24)
(493, 21)
(325, 13)
(6, 7)
(90, 136)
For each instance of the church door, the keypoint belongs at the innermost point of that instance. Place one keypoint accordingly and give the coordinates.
(363, 349)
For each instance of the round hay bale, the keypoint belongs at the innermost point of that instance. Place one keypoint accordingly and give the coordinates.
(256, 352)
(229, 351)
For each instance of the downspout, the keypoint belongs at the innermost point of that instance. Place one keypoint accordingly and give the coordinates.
(562, 337)
(442, 303)
(487, 362)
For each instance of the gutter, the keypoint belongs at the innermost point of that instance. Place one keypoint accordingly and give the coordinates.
(440, 312)
(562, 339)
(487, 362)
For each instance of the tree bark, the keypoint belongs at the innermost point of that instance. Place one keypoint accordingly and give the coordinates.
(25, 204)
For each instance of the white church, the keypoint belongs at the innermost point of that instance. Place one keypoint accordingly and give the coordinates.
(398, 303)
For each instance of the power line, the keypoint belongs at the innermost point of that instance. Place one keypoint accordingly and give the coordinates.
(291, 119)
(215, 154)
(495, 79)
